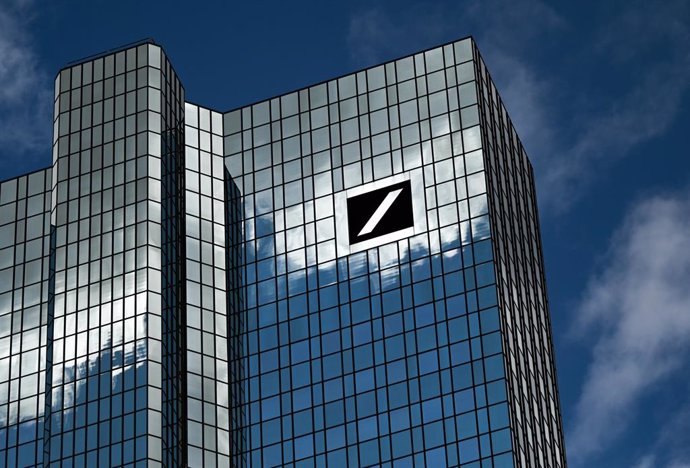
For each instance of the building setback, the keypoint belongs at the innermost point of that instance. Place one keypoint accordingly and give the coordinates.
(347, 275)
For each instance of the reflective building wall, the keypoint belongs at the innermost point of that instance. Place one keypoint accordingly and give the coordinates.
(114, 391)
(389, 353)
(346, 275)
(24, 299)
(532, 389)
(207, 239)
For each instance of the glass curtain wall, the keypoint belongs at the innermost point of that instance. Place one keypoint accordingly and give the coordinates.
(109, 398)
(24, 298)
(391, 355)
(533, 387)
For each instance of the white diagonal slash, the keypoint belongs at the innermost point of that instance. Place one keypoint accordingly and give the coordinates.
(380, 211)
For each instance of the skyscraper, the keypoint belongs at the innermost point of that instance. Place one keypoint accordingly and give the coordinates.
(346, 275)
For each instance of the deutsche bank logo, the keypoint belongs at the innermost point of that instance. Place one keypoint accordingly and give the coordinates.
(383, 211)
(380, 212)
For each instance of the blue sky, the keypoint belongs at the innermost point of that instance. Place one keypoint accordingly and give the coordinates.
(599, 92)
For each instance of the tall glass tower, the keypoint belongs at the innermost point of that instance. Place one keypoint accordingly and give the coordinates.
(348, 275)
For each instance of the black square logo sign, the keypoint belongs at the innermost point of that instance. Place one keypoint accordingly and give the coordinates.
(380, 212)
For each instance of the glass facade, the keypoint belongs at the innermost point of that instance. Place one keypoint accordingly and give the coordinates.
(526, 325)
(25, 233)
(114, 391)
(186, 287)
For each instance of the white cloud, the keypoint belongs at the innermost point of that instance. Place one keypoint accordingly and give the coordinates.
(646, 462)
(646, 27)
(671, 449)
(638, 308)
(25, 93)
(645, 113)
(374, 36)
(377, 34)
(651, 461)
(370, 34)
(572, 138)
